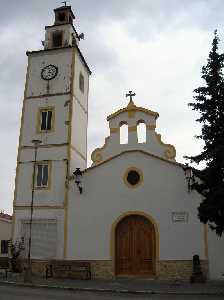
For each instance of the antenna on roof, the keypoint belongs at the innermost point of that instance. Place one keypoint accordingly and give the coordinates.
(81, 36)
(64, 2)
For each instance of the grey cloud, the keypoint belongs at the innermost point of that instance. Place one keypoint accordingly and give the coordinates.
(205, 12)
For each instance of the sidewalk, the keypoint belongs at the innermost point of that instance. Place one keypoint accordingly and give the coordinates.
(138, 286)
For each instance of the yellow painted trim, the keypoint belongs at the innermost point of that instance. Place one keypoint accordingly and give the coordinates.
(39, 114)
(151, 127)
(114, 130)
(96, 164)
(13, 223)
(113, 236)
(132, 168)
(45, 146)
(170, 151)
(49, 164)
(96, 155)
(46, 95)
(131, 114)
(132, 128)
(25, 207)
(20, 143)
(82, 107)
(69, 150)
(78, 152)
(123, 123)
(206, 240)
(141, 122)
(133, 108)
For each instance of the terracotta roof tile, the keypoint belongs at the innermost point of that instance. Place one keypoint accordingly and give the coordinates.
(5, 216)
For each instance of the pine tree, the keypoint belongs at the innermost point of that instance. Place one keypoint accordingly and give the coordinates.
(209, 102)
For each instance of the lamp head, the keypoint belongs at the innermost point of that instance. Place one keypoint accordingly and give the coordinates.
(188, 171)
(77, 172)
(78, 179)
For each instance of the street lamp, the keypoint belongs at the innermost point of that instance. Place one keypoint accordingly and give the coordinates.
(28, 271)
(189, 175)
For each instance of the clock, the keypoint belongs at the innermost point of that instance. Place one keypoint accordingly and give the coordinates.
(49, 72)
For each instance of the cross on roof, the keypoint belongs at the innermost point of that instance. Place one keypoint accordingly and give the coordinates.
(130, 94)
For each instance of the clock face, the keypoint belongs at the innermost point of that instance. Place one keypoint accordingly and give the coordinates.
(49, 72)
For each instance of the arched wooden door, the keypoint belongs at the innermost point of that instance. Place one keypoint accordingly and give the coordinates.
(135, 246)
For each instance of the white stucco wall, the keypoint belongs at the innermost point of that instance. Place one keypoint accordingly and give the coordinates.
(54, 148)
(77, 161)
(80, 115)
(216, 255)
(56, 214)
(80, 67)
(54, 195)
(67, 35)
(153, 143)
(30, 129)
(106, 198)
(62, 58)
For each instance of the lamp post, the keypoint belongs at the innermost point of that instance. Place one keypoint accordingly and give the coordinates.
(28, 271)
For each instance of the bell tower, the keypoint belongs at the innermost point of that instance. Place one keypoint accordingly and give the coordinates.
(63, 32)
(63, 15)
(55, 112)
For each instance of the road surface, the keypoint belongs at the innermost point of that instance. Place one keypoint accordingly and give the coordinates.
(11, 292)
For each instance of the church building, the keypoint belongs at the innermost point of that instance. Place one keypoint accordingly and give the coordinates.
(130, 213)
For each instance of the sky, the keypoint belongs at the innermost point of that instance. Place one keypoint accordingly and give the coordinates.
(154, 48)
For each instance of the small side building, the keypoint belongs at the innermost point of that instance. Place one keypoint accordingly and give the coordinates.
(5, 233)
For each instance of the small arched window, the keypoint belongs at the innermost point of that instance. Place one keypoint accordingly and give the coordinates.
(123, 133)
(141, 131)
(81, 82)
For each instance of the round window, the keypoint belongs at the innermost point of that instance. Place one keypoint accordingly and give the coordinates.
(133, 177)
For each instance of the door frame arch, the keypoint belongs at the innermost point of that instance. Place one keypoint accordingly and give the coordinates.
(113, 236)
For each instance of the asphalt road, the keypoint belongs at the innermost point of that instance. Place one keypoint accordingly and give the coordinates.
(8, 292)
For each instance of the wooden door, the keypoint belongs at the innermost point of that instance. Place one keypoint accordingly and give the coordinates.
(135, 246)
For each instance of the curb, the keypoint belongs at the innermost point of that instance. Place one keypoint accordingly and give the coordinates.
(113, 291)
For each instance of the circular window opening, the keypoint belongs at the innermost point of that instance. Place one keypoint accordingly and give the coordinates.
(133, 177)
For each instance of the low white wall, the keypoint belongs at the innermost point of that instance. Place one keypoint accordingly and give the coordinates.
(216, 255)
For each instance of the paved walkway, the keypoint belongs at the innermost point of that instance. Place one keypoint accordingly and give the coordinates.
(144, 286)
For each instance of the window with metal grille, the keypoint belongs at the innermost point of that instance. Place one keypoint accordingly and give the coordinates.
(4, 246)
(44, 237)
(42, 175)
(46, 119)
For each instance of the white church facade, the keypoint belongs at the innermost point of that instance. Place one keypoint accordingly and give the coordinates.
(134, 215)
